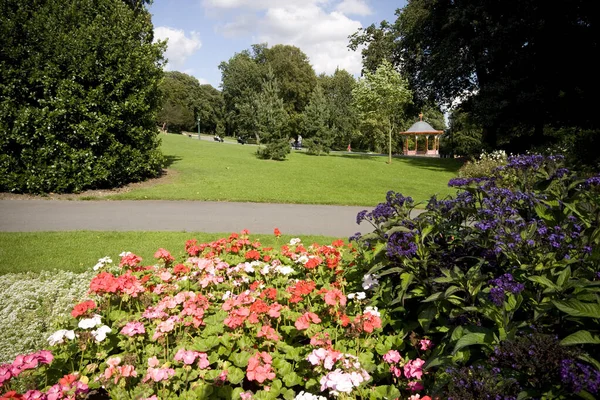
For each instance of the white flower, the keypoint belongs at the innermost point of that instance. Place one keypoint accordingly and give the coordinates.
(372, 311)
(370, 281)
(100, 333)
(248, 268)
(59, 336)
(226, 295)
(302, 260)
(104, 261)
(308, 396)
(125, 253)
(265, 270)
(88, 323)
(295, 241)
(357, 295)
(284, 270)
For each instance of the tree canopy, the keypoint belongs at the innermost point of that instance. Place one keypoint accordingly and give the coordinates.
(383, 97)
(521, 66)
(78, 95)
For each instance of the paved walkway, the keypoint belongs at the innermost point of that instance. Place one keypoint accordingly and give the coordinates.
(191, 216)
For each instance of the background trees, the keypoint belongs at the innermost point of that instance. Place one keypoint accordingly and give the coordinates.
(517, 65)
(78, 95)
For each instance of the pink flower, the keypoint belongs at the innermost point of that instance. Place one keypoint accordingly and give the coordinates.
(133, 328)
(259, 367)
(413, 368)
(304, 321)
(268, 333)
(425, 344)
(34, 395)
(415, 386)
(165, 276)
(187, 356)
(158, 374)
(153, 362)
(246, 396)
(392, 357)
(203, 362)
(164, 255)
(334, 297)
(113, 362)
(397, 372)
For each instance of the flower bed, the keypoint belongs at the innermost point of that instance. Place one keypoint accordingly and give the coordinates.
(233, 320)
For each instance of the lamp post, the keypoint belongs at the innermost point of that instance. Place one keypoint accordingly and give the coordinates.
(198, 126)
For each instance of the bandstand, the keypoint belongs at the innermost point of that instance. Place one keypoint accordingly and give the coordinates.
(423, 130)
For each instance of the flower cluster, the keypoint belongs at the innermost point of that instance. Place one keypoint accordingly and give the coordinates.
(413, 369)
(503, 284)
(347, 375)
(22, 363)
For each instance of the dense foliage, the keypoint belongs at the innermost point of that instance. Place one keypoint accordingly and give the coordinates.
(185, 102)
(513, 64)
(504, 278)
(78, 95)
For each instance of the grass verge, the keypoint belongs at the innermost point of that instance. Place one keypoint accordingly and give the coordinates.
(213, 171)
(78, 251)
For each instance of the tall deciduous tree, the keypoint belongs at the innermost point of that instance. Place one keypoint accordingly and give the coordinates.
(78, 95)
(383, 96)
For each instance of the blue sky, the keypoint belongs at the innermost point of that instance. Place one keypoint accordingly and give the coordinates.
(203, 33)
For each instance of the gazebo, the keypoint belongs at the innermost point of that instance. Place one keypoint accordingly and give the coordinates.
(422, 128)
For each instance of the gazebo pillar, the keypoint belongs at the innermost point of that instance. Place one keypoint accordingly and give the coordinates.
(426, 144)
(416, 144)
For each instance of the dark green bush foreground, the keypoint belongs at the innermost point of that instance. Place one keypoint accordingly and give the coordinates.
(77, 95)
(504, 279)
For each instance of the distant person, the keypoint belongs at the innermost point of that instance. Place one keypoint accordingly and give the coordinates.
(299, 145)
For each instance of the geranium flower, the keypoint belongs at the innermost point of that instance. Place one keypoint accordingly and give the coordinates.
(89, 323)
(335, 297)
(100, 333)
(277, 232)
(128, 259)
(59, 336)
(425, 344)
(268, 332)
(164, 255)
(34, 395)
(413, 368)
(415, 386)
(133, 328)
(303, 322)
(259, 368)
(392, 357)
(82, 308)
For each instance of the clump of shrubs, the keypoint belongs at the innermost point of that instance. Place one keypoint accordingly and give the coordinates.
(484, 165)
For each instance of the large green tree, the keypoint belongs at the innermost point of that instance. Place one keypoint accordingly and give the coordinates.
(271, 119)
(382, 98)
(316, 123)
(342, 111)
(78, 95)
(520, 65)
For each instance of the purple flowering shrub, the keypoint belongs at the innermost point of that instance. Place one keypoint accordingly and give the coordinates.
(512, 254)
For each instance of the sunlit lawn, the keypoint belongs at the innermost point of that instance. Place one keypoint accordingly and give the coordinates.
(215, 171)
(80, 250)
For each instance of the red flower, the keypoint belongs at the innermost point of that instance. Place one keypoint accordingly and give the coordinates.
(301, 288)
(277, 232)
(338, 243)
(11, 395)
(104, 282)
(252, 255)
(270, 293)
(313, 262)
(130, 260)
(82, 308)
(181, 269)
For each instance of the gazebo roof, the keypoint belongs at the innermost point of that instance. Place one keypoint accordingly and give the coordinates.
(421, 128)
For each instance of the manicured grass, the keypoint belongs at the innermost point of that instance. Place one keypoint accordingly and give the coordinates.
(205, 170)
(80, 250)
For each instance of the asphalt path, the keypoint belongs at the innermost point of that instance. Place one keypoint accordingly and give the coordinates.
(190, 216)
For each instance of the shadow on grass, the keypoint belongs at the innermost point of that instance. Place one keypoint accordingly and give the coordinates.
(169, 160)
(433, 164)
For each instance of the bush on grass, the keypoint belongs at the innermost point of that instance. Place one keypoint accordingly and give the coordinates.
(276, 150)
(484, 166)
(504, 277)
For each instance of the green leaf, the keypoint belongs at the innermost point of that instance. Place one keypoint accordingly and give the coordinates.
(580, 337)
(235, 375)
(426, 317)
(240, 359)
(563, 277)
(205, 344)
(471, 339)
(577, 308)
(542, 280)
(544, 213)
(291, 379)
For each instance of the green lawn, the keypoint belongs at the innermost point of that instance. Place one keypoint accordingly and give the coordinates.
(80, 250)
(215, 171)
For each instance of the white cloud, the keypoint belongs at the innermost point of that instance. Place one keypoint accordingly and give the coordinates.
(322, 35)
(354, 7)
(179, 46)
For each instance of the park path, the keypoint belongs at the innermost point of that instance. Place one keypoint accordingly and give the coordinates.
(192, 216)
